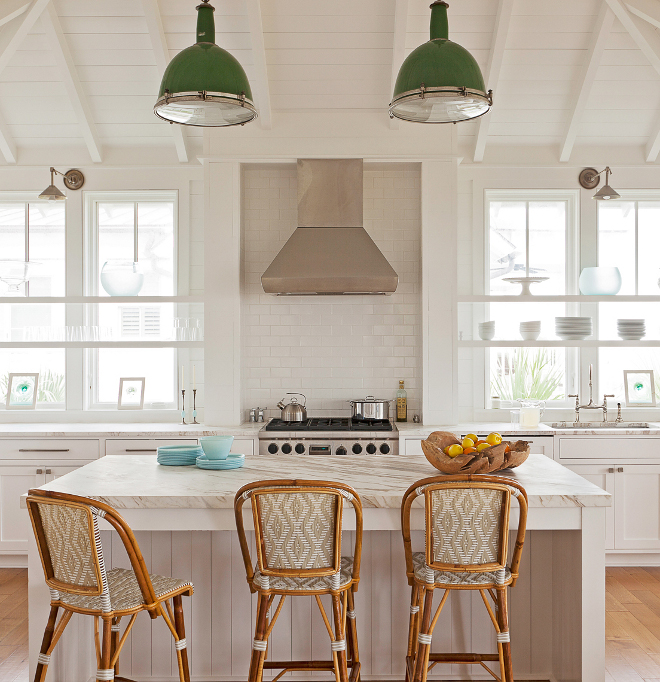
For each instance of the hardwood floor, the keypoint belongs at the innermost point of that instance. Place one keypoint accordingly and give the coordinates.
(632, 627)
(13, 625)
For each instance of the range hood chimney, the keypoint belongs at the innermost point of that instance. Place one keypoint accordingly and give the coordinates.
(329, 252)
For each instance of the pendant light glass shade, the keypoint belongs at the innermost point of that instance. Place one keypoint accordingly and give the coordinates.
(204, 85)
(440, 81)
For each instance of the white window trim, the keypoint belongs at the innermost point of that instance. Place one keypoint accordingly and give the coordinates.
(481, 360)
(91, 200)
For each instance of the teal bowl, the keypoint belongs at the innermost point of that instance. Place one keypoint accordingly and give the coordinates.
(216, 447)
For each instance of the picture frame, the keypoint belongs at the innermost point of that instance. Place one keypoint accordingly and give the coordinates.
(640, 387)
(22, 391)
(131, 393)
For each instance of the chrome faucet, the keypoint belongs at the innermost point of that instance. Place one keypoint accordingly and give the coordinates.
(590, 405)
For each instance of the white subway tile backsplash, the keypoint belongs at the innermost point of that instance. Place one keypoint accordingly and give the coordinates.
(331, 349)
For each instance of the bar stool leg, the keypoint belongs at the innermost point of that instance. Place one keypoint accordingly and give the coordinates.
(104, 671)
(503, 621)
(351, 636)
(339, 637)
(40, 673)
(424, 649)
(259, 632)
(181, 631)
(413, 628)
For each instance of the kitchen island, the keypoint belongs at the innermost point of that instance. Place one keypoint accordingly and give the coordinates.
(185, 525)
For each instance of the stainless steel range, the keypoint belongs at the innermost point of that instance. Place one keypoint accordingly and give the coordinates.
(329, 436)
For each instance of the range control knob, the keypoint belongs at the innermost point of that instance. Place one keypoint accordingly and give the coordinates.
(300, 448)
(384, 448)
(341, 450)
(272, 448)
(286, 448)
(371, 448)
(357, 449)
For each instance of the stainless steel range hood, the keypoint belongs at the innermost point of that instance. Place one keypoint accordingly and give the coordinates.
(330, 252)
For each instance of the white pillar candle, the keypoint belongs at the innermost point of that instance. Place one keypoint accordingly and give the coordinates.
(183, 384)
(194, 382)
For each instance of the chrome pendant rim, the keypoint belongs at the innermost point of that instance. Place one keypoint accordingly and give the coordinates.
(195, 96)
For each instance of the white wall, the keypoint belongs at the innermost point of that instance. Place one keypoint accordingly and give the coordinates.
(333, 348)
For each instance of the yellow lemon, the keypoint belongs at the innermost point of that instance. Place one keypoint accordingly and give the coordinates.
(482, 446)
(494, 438)
(473, 437)
(455, 450)
(467, 442)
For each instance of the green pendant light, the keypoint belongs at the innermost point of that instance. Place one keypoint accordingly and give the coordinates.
(440, 81)
(204, 85)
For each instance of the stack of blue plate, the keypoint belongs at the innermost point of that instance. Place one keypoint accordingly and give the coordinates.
(179, 455)
(234, 461)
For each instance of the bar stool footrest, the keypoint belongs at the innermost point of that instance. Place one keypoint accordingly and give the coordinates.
(462, 658)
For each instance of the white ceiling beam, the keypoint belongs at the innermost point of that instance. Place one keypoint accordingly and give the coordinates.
(649, 10)
(74, 88)
(398, 46)
(648, 42)
(599, 36)
(261, 84)
(10, 9)
(161, 53)
(493, 71)
(17, 24)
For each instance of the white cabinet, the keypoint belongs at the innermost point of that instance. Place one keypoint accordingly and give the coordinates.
(637, 506)
(48, 448)
(15, 480)
(143, 446)
(14, 523)
(603, 477)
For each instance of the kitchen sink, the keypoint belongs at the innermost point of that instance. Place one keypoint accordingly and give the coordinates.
(599, 425)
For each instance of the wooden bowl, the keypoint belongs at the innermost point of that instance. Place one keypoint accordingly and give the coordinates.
(506, 455)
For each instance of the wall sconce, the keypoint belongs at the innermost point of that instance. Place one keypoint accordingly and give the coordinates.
(73, 179)
(589, 179)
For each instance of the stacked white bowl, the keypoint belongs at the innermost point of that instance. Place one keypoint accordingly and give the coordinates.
(487, 330)
(573, 328)
(631, 330)
(530, 330)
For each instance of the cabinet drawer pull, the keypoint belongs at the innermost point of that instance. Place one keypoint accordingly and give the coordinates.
(42, 450)
(40, 471)
(620, 469)
(140, 449)
(48, 471)
(610, 470)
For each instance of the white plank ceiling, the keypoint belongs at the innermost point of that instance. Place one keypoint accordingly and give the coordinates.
(569, 73)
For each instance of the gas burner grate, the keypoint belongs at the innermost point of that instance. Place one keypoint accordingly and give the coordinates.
(331, 424)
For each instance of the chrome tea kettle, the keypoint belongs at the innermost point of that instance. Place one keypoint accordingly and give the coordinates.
(293, 411)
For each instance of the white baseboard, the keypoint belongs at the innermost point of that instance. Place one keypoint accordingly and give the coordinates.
(13, 561)
(632, 559)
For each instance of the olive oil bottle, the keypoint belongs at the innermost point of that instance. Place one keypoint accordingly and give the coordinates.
(401, 404)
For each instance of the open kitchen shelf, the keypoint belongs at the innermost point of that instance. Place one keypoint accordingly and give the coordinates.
(101, 344)
(540, 343)
(558, 299)
(101, 299)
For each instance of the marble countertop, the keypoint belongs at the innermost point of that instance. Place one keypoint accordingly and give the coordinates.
(165, 430)
(139, 482)
(133, 430)
(505, 428)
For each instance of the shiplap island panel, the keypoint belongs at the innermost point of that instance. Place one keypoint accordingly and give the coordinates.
(184, 522)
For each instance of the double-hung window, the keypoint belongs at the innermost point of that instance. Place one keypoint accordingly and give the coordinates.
(32, 264)
(531, 235)
(131, 254)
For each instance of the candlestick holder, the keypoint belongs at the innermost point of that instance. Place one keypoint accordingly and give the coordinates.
(194, 421)
(183, 406)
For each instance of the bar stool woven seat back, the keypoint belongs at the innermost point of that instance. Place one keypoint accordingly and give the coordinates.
(466, 548)
(67, 533)
(298, 529)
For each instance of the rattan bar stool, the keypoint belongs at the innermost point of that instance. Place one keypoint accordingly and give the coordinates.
(298, 527)
(67, 533)
(466, 546)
